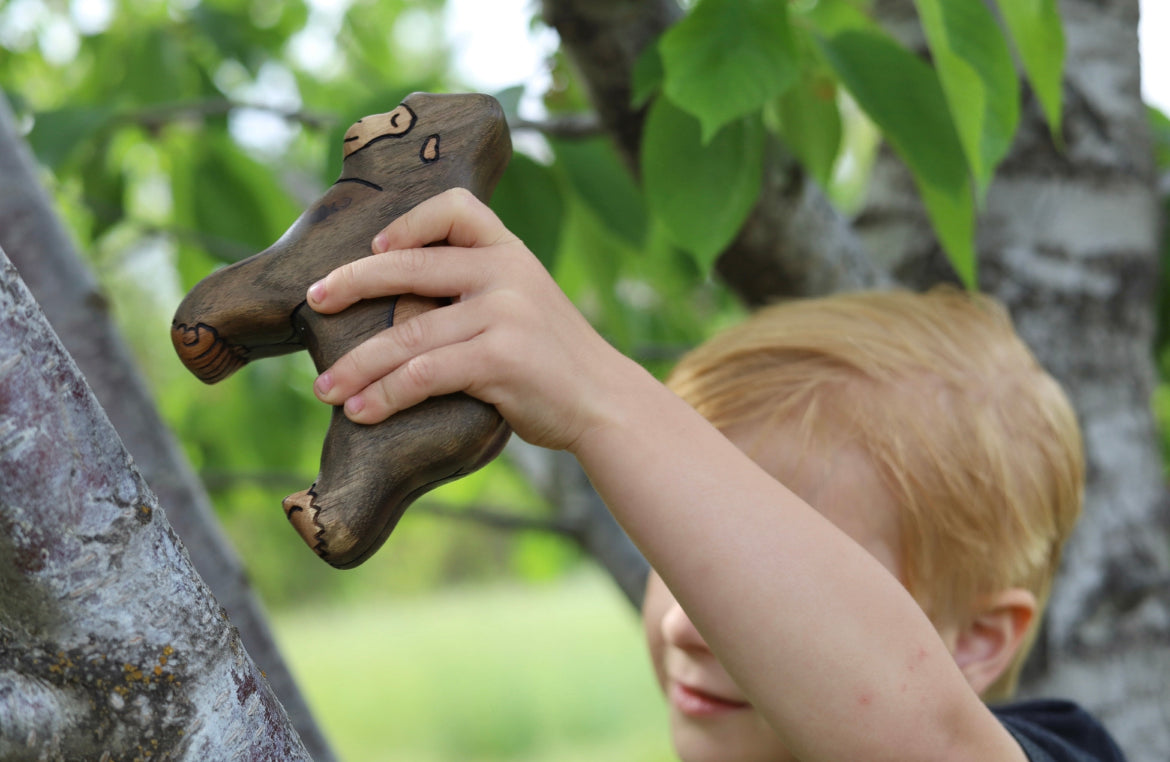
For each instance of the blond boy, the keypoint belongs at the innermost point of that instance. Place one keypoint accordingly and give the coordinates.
(848, 553)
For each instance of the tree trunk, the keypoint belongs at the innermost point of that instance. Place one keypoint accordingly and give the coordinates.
(32, 235)
(111, 646)
(1068, 240)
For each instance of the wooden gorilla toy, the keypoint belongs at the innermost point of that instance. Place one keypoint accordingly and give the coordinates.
(256, 308)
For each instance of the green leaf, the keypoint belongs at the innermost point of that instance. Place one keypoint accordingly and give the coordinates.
(831, 17)
(702, 192)
(601, 180)
(810, 123)
(647, 76)
(1039, 38)
(727, 59)
(978, 78)
(236, 204)
(159, 69)
(105, 191)
(902, 95)
(1160, 130)
(529, 201)
(57, 134)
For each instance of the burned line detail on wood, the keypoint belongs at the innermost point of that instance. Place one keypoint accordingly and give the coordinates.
(256, 308)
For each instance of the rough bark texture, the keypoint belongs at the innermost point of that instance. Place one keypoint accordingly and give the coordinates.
(1069, 241)
(111, 646)
(66, 290)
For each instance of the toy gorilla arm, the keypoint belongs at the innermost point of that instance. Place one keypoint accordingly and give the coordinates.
(256, 308)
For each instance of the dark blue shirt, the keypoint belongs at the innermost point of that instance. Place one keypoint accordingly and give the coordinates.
(1057, 731)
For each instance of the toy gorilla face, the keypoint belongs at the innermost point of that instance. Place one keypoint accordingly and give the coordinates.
(256, 308)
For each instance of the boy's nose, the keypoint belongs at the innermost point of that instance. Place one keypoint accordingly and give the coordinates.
(680, 632)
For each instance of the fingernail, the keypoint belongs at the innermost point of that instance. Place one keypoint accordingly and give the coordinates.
(354, 405)
(317, 291)
(323, 383)
(381, 244)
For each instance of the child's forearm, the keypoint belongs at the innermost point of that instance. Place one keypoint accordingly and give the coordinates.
(827, 644)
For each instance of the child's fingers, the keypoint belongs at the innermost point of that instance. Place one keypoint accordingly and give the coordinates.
(434, 271)
(455, 216)
(385, 352)
(441, 371)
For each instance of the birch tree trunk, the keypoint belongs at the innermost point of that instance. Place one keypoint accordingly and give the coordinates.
(111, 646)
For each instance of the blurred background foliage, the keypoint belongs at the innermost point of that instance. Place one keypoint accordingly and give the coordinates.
(181, 135)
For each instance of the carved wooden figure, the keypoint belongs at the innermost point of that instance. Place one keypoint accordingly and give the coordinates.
(256, 308)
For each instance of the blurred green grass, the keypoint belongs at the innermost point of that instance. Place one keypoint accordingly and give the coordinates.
(555, 672)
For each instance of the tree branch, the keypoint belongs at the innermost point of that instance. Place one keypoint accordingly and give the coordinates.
(559, 478)
(499, 518)
(156, 117)
(570, 126)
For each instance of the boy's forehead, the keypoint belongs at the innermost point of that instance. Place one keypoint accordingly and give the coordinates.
(838, 481)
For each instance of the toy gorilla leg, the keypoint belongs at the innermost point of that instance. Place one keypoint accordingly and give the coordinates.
(256, 308)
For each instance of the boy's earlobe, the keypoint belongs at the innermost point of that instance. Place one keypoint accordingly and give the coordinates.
(986, 646)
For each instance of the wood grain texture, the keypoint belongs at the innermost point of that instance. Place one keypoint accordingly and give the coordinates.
(256, 308)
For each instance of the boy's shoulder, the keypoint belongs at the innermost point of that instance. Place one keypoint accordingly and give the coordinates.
(1053, 730)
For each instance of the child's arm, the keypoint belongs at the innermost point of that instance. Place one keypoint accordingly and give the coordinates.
(826, 643)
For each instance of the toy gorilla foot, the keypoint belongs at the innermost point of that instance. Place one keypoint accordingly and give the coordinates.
(255, 308)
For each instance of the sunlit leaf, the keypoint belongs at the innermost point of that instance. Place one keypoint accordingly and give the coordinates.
(978, 79)
(702, 192)
(728, 58)
(831, 17)
(902, 95)
(810, 123)
(1039, 38)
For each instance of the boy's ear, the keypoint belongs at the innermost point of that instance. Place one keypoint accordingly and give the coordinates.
(985, 647)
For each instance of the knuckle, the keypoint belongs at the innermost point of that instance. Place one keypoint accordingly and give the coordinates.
(461, 196)
(411, 334)
(419, 372)
(348, 368)
(412, 261)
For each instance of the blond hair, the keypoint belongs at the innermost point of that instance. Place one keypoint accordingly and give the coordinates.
(976, 443)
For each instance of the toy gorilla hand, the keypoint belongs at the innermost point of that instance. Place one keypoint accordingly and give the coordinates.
(256, 308)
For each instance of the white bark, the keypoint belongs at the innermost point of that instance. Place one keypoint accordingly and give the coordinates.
(111, 646)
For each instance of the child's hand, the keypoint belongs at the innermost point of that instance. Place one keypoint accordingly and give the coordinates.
(510, 337)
